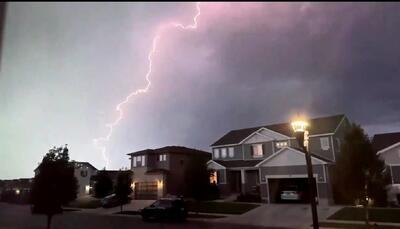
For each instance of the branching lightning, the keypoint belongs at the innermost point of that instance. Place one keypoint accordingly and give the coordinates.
(100, 142)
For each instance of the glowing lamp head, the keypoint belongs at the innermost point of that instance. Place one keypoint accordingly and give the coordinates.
(17, 191)
(299, 126)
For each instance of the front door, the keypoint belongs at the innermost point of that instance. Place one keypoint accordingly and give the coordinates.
(235, 181)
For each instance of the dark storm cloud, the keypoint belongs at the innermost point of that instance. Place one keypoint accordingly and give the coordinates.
(247, 64)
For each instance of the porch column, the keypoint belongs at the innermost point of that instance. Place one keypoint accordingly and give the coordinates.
(243, 180)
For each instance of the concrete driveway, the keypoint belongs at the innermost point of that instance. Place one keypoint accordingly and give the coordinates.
(281, 215)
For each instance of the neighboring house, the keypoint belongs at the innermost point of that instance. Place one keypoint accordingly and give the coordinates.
(267, 158)
(160, 172)
(388, 148)
(83, 173)
(17, 185)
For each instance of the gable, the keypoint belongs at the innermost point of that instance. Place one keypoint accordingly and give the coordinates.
(391, 155)
(288, 157)
(212, 165)
(264, 135)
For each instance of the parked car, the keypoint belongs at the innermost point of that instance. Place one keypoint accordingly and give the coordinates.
(112, 201)
(166, 208)
(291, 193)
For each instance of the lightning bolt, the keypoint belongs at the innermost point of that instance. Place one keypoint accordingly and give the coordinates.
(99, 143)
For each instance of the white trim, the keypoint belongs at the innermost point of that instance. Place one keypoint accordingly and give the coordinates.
(393, 164)
(226, 145)
(212, 161)
(264, 128)
(340, 123)
(320, 135)
(333, 149)
(288, 148)
(323, 170)
(388, 148)
(391, 173)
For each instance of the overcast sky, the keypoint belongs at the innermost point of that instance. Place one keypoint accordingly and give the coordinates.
(66, 65)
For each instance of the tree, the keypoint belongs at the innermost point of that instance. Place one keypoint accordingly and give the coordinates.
(123, 187)
(54, 184)
(359, 171)
(104, 185)
(197, 179)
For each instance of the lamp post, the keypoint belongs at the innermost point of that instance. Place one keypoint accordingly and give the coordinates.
(300, 129)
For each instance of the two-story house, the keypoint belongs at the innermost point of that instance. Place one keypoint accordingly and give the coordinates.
(160, 172)
(267, 158)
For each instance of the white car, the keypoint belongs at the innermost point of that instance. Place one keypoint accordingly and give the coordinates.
(290, 195)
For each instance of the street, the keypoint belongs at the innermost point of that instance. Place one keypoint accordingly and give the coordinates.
(19, 216)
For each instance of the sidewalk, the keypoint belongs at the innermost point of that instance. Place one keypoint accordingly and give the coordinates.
(361, 222)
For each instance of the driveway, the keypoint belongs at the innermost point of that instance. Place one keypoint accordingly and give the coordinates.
(281, 215)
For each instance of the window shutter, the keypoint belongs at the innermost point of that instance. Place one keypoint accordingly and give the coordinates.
(251, 150)
(263, 149)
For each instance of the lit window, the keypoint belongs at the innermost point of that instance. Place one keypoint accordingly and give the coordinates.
(231, 152)
(324, 143)
(139, 158)
(143, 160)
(281, 145)
(223, 152)
(134, 161)
(213, 177)
(162, 157)
(257, 150)
(216, 153)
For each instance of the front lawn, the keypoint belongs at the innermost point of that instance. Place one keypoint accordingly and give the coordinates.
(221, 207)
(389, 215)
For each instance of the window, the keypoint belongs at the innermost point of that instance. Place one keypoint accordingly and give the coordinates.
(231, 152)
(139, 161)
(213, 177)
(280, 145)
(162, 157)
(223, 152)
(216, 153)
(324, 143)
(257, 150)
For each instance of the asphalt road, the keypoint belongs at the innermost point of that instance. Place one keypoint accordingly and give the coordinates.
(19, 216)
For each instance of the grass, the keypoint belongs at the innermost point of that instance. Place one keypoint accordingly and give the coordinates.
(87, 202)
(389, 215)
(221, 207)
(354, 226)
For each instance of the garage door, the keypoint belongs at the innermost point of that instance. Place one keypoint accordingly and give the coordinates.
(288, 190)
(146, 190)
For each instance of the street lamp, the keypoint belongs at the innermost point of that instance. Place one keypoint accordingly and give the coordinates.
(300, 129)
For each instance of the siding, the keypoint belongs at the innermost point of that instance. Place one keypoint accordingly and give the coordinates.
(315, 147)
(395, 174)
(267, 151)
(292, 170)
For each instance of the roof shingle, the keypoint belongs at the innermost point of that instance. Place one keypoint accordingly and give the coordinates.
(382, 141)
(323, 125)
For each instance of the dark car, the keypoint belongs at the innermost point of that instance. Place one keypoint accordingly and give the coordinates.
(166, 208)
(112, 201)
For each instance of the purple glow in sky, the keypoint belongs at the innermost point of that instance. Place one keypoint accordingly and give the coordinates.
(66, 65)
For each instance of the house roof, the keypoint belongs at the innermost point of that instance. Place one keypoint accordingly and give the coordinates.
(79, 163)
(382, 141)
(238, 163)
(83, 163)
(171, 149)
(323, 125)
